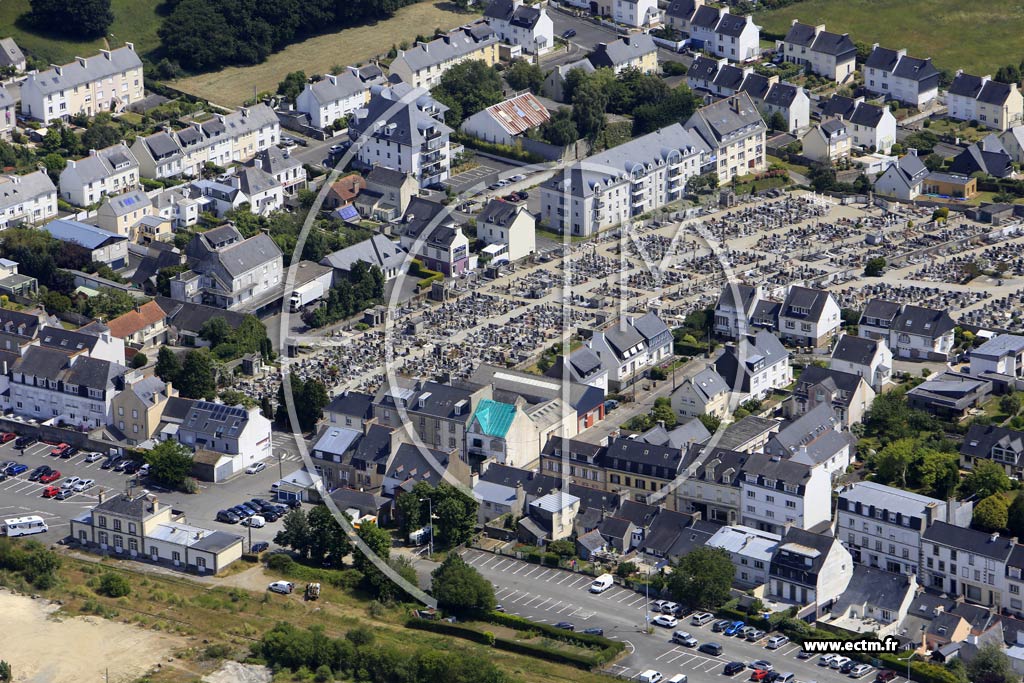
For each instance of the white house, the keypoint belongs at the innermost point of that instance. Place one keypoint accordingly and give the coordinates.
(809, 317)
(527, 26)
(809, 569)
(827, 54)
(895, 76)
(922, 333)
(334, 97)
(869, 358)
(240, 435)
(734, 309)
(286, 170)
(706, 393)
(622, 351)
(29, 198)
(870, 126)
(959, 561)
(264, 193)
(776, 492)
(113, 170)
(750, 551)
(509, 226)
(636, 13)
(636, 51)
(828, 142)
(903, 178)
(755, 366)
(1000, 355)
(7, 112)
(715, 30)
(789, 100)
(815, 438)
(228, 271)
(505, 122)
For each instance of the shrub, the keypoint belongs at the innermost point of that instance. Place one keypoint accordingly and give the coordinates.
(114, 585)
(279, 562)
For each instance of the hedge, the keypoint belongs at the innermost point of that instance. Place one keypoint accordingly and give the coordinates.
(740, 615)
(920, 671)
(507, 151)
(523, 624)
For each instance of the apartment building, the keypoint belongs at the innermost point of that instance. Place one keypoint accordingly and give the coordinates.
(883, 526)
(334, 97)
(826, 54)
(712, 485)
(959, 561)
(869, 126)
(637, 51)
(29, 198)
(755, 366)
(735, 133)
(750, 550)
(77, 390)
(403, 130)
(896, 76)
(609, 188)
(422, 65)
(109, 81)
(978, 98)
(527, 26)
(776, 492)
(809, 569)
(1003, 354)
(639, 471)
(436, 413)
(137, 409)
(715, 30)
(228, 271)
(221, 140)
(109, 171)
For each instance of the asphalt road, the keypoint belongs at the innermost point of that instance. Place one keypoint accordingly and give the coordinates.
(588, 35)
(551, 595)
(20, 497)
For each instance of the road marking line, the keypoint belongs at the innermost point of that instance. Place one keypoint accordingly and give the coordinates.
(548, 609)
(625, 597)
(540, 605)
(524, 595)
(567, 577)
(638, 600)
(585, 580)
(574, 611)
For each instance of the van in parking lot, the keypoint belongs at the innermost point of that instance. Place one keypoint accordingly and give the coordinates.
(776, 642)
(602, 583)
(650, 676)
(678, 678)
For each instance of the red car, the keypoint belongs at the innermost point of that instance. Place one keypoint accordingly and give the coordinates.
(51, 491)
(51, 477)
(59, 449)
(7, 436)
(758, 675)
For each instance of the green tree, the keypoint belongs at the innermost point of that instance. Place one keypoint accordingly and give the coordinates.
(875, 267)
(109, 304)
(466, 88)
(74, 18)
(101, 136)
(777, 122)
(5, 672)
(378, 541)
(1015, 517)
(702, 578)
(114, 585)
(460, 588)
(216, 331)
(937, 473)
(168, 365)
(292, 85)
(560, 129)
(54, 163)
(455, 517)
(198, 377)
(986, 478)
(710, 422)
(328, 543)
(1010, 403)
(412, 508)
(589, 103)
(1008, 74)
(991, 665)
(169, 463)
(524, 75)
(139, 360)
(309, 396)
(662, 412)
(991, 514)
(892, 463)
(233, 397)
(562, 547)
(295, 533)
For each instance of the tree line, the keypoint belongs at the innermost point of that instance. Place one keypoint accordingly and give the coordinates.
(202, 35)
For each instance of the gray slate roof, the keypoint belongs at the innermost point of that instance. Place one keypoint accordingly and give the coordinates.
(75, 74)
(377, 251)
(622, 51)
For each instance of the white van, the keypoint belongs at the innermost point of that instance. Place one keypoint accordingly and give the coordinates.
(678, 678)
(650, 676)
(602, 583)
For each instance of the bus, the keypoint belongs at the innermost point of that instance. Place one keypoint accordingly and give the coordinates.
(23, 526)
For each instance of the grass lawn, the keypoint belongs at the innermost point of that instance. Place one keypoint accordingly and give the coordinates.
(135, 21)
(960, 129)
(802, 170)
(233, 85)
(976, 37)
(742, 186)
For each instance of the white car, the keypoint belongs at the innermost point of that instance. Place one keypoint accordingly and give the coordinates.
(256, 522)
(83, 485)
(256, 467)
(93, 457)
(284, 587)
(517, 178)
(144, 470)
(70, 482)
(665, 620)
(838, 662)
(860, 671)
(657, 604)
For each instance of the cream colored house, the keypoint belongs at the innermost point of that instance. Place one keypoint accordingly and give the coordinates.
(109, 81)
(735, 133)
(706, 393)
(828, 142)
(423, 65)
(122, 213)
(142, 528)
(991, 103)
(136, 411)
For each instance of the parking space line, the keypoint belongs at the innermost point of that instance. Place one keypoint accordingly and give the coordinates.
(554, 575)
(531, 572)
(548, 609)
(524, 595)
(627, 596)
(540, 605)
(574, 611)
(576, 583)
(638, 600)
(567, 577)
(665, 654)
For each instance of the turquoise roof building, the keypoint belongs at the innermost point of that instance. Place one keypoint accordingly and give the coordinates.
(494, 417)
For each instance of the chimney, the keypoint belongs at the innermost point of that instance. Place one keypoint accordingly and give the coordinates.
(949, 510)
(130, 46)
(101, 496)
(155, 502)
(367, 424)
(994, 537)
(912, 150)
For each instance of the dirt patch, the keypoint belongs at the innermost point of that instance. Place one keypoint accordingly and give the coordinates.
(233, 672)
(43, 644)
(318, 55)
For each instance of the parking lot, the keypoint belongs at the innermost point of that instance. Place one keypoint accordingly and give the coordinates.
(551, 596)
(20, 497)
(480, 176)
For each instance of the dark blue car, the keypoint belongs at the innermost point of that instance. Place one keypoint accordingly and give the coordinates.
(15, 469)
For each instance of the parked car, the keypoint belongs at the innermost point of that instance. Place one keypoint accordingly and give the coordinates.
(721, 625)
(60, 449)
(701, 618)
(684, 638)
(284, 587)
(593, 631)
(733, 668)
(15, 469)
(7, 436)
(110, 462)
(826, 660)
(884, 676)
(83, 485)
(24, 441)
(259, 547)
(256, 467)
(569, 33)
(69, 482)
(665, 621)
(847, 667)
(746, 631)
(132, 466)
(256, 522)
(804, 654)
(758, 675)
(762, 664)
(51, 491)
(734, 628)
(671, 608)
(565, 625)
(775, 642)
(713, 649)
(518, 177)
(754, 635)
(838, 662)
(37, 472)
(227, 517)
(93, 456)
(50, 477)
(144, 470)
(64, 494)
(121, 465)
(657, 605)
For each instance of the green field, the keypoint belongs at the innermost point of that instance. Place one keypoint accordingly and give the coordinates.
(977, 37)
(135, 21)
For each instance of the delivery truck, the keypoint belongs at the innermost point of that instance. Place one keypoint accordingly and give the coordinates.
(306, 294)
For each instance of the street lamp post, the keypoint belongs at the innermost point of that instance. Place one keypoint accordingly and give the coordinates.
(430, 514)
